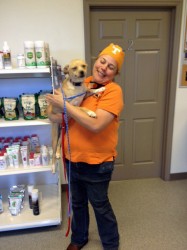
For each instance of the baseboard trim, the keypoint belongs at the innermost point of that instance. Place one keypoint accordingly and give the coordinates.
(172, 177)
(178, 176)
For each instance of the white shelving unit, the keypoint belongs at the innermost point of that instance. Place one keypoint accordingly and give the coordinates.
(49, 210)
(24, 170)
(14, 82)
(24, 73)
(22, 122)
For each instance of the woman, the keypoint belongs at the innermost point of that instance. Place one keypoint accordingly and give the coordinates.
(93, 151)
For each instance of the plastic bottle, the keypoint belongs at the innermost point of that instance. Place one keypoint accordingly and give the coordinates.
(6, 56)
(47, 54)
(35, 202)
(3, 164)
(30, 188)
(40, 54)
(20, 61)
(1, 60)
(30, 60)
(1, 203)
(45, 156)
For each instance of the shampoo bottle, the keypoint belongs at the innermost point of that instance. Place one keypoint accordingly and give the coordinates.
(35, 202)
(6, 56)
(30, 188)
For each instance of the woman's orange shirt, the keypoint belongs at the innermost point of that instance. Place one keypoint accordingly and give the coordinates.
(95, 148)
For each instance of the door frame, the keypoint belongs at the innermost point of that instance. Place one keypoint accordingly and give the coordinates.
(176, 12)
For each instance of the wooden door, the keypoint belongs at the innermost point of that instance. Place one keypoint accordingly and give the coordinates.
(144, 34)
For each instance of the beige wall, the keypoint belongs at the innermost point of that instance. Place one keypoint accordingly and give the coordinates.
(60, 23)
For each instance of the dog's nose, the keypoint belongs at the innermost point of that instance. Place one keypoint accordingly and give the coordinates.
(82, 73)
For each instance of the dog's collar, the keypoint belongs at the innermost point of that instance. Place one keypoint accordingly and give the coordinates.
(97, 85)
(76, 83)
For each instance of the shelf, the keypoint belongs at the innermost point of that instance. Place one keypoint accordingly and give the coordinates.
(50, 210)
(23, 71)
(14, 81)
(25, 170)
(22, 123)
(28, 73)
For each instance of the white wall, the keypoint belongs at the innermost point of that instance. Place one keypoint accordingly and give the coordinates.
(179, 144)
(60, 23)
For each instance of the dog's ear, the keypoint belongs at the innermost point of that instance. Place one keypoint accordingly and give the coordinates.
(66, 69)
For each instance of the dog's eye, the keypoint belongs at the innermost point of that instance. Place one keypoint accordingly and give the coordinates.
(74, 68)
(83, 66)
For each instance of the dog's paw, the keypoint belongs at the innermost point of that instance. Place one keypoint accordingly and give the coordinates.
(53, 169)
(91, 114)
(57, 155)
(99, 90)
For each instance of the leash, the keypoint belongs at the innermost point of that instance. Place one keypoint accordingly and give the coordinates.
(73, 96)
(56, 82)
(56, 71)
(65, 130)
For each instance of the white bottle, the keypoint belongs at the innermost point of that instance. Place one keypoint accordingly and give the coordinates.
(6, 56)
(30, 188)
(21, 61)
(1, 60)
(47, 54)
(35, 202)
(3, 164)
(40, 54)
(30, 60)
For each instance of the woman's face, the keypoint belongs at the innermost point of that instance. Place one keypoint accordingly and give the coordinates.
(104, 69)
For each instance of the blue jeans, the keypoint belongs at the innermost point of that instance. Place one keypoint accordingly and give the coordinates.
(90, 182)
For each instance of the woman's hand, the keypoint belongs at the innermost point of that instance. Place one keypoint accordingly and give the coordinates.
(56, 118)
(55, 107)
(95, 125)
(56, 100)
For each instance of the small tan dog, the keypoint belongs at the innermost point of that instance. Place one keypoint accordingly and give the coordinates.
(74, 91)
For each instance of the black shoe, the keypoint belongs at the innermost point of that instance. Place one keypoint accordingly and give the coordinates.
(76, 247)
